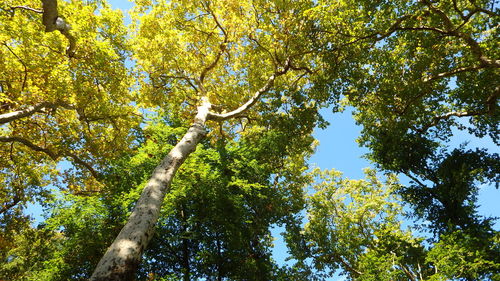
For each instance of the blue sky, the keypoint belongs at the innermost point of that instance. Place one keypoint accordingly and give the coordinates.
(338, 150)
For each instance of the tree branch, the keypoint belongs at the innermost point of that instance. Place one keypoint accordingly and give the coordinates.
(222, 47)
(79, 161)
(424, 28)
(53, 22)
(271, 56)
(27, 8)
(242, 109)
(10, 205)
(446, 20)
(455, 6)
(485, 11)
(377, 36)
(53, 155)
(408, 273)
(11, 116)
(448, 115)
(451, 73)
(452, 30)
(30, 145)
(415, 179)
(346, 265)
(22, 62)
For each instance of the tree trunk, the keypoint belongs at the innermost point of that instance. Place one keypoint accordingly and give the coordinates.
(186, 270)
(122, 258)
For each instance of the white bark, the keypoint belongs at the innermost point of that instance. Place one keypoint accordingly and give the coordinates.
(11, 116)
(123, 256)
(30, 110)
(242, 109)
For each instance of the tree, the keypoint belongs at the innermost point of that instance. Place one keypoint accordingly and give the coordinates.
(355, 226)
(215, 221)
(213, 48)
(212, 56)
(64, 96)
(232, 66)
(420, 67)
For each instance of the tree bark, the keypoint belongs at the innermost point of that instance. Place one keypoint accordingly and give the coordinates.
(186, 269)
(124, 255)
(53, 22)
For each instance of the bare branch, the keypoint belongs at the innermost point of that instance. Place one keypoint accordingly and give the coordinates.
(53, 22)
(242, 109)
(11, 116)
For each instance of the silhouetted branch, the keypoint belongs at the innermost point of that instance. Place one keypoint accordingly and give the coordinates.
(55, 156)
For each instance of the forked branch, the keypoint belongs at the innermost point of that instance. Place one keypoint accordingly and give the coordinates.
(53, 21)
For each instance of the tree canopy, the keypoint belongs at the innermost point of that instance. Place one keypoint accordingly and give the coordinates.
(167, 149)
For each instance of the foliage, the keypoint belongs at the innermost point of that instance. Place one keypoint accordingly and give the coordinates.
(416, 69)
(413, 70)
(76, 108)
(60, 248)
(448, 198)
(355, 226)
(466, 255)
(225, 50)
(216, 221)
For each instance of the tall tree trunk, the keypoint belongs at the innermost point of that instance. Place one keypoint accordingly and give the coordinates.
(219, 259)
(124, 255)
(186, 269)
